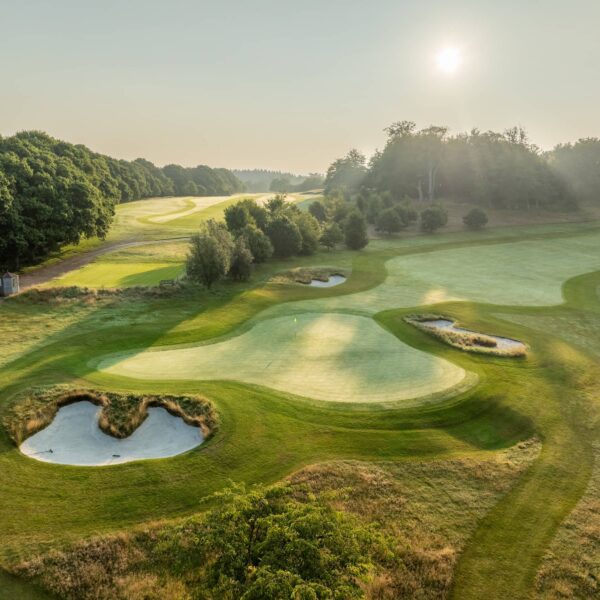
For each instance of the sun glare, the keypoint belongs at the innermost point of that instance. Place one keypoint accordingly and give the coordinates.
(448, 60)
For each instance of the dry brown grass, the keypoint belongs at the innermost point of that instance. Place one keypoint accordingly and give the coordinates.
(306, 274)
(571, 566)
(468, 341)
(121, 414)
(427, 509)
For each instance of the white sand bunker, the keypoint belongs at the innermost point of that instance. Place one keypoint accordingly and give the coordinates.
(74, 438)
(492, 343)
(340, 358)
(333, 280)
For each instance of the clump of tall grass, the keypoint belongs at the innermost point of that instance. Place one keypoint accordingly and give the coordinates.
(469, 341)
(121, 414)
(306, 274)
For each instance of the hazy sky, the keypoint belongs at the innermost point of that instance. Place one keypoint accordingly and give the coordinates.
(291, 85)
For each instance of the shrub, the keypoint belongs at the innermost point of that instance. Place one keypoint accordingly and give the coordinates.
(355, 231)
(241, 261)
(285, 236)
(433, 217)
(476, 218)
(389, 221)
(310, 231)
(317, 210)
(259, 243)
(237, 216)
(407, 213)
(332, 236)
(210, 253)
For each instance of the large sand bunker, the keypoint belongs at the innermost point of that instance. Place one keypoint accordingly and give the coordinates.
(334, 357)
(74, 438)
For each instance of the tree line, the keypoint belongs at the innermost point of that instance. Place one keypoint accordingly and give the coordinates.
(494, 170)
(54, 193)
(252, 234)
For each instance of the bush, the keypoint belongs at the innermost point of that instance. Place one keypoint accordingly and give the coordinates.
(433, 218)
(285, 236)
(259, 243)
(332, 236)
(210, 254)
(309, 231)
(355, 231)
(237, 216)
(407, 213)
(241, 261)
(317, 210)
(476, 218)
(389, 221)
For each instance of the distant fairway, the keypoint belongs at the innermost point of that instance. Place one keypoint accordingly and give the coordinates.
(339, 358)
(528, 273)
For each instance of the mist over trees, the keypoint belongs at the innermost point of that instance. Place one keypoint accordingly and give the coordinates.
(54, 193)
(494, 170)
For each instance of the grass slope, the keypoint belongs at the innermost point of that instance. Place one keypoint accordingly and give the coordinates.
(266, 434)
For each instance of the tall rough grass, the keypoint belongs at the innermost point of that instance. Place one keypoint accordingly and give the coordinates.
(121, 414)
(469, 341)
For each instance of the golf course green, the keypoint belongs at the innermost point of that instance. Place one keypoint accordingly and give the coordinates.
(303, 375)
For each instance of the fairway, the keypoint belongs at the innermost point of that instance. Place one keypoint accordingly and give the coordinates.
(528, 273)
(339, 358)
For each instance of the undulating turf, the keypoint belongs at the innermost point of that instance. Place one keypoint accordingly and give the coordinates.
(267, 434)
(342, 358)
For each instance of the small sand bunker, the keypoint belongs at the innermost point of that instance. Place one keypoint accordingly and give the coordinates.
(74, 438)
(465, 339)
(330, 282)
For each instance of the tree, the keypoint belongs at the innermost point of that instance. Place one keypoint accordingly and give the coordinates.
(210, 254)
(389, 221)
(241, 261)
(476, 218)
(267, 544)
(355, 231)
(346, 173)
(432, 218)
(237, 216)
(276, 204)
(285, 236)
(259, 243)
(310, 232)
(317, 210)
(280, 184)
(332, 236)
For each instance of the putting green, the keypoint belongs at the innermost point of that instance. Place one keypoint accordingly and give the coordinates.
(340, 358)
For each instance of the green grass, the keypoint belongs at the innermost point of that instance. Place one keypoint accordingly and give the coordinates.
(267, 434)
(342, 358)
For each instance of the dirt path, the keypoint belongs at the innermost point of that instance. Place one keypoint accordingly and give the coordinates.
(46, 273)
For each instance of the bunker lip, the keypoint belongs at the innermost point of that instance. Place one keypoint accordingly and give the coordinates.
(74, 438)
(467, 339)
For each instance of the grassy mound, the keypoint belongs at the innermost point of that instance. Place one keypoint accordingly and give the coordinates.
(121, 414)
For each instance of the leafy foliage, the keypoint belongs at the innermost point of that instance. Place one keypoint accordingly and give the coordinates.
(267, 544)
(476, 218)
(332, 235)
(241, 261)
(53, 193)
(433, 217)
(210, 254)
(285, 236)
(355, 231)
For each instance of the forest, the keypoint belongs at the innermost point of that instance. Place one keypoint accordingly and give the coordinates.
(493, 170)
(54, 193)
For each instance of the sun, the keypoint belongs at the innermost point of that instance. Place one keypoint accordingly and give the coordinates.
(448, 60)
